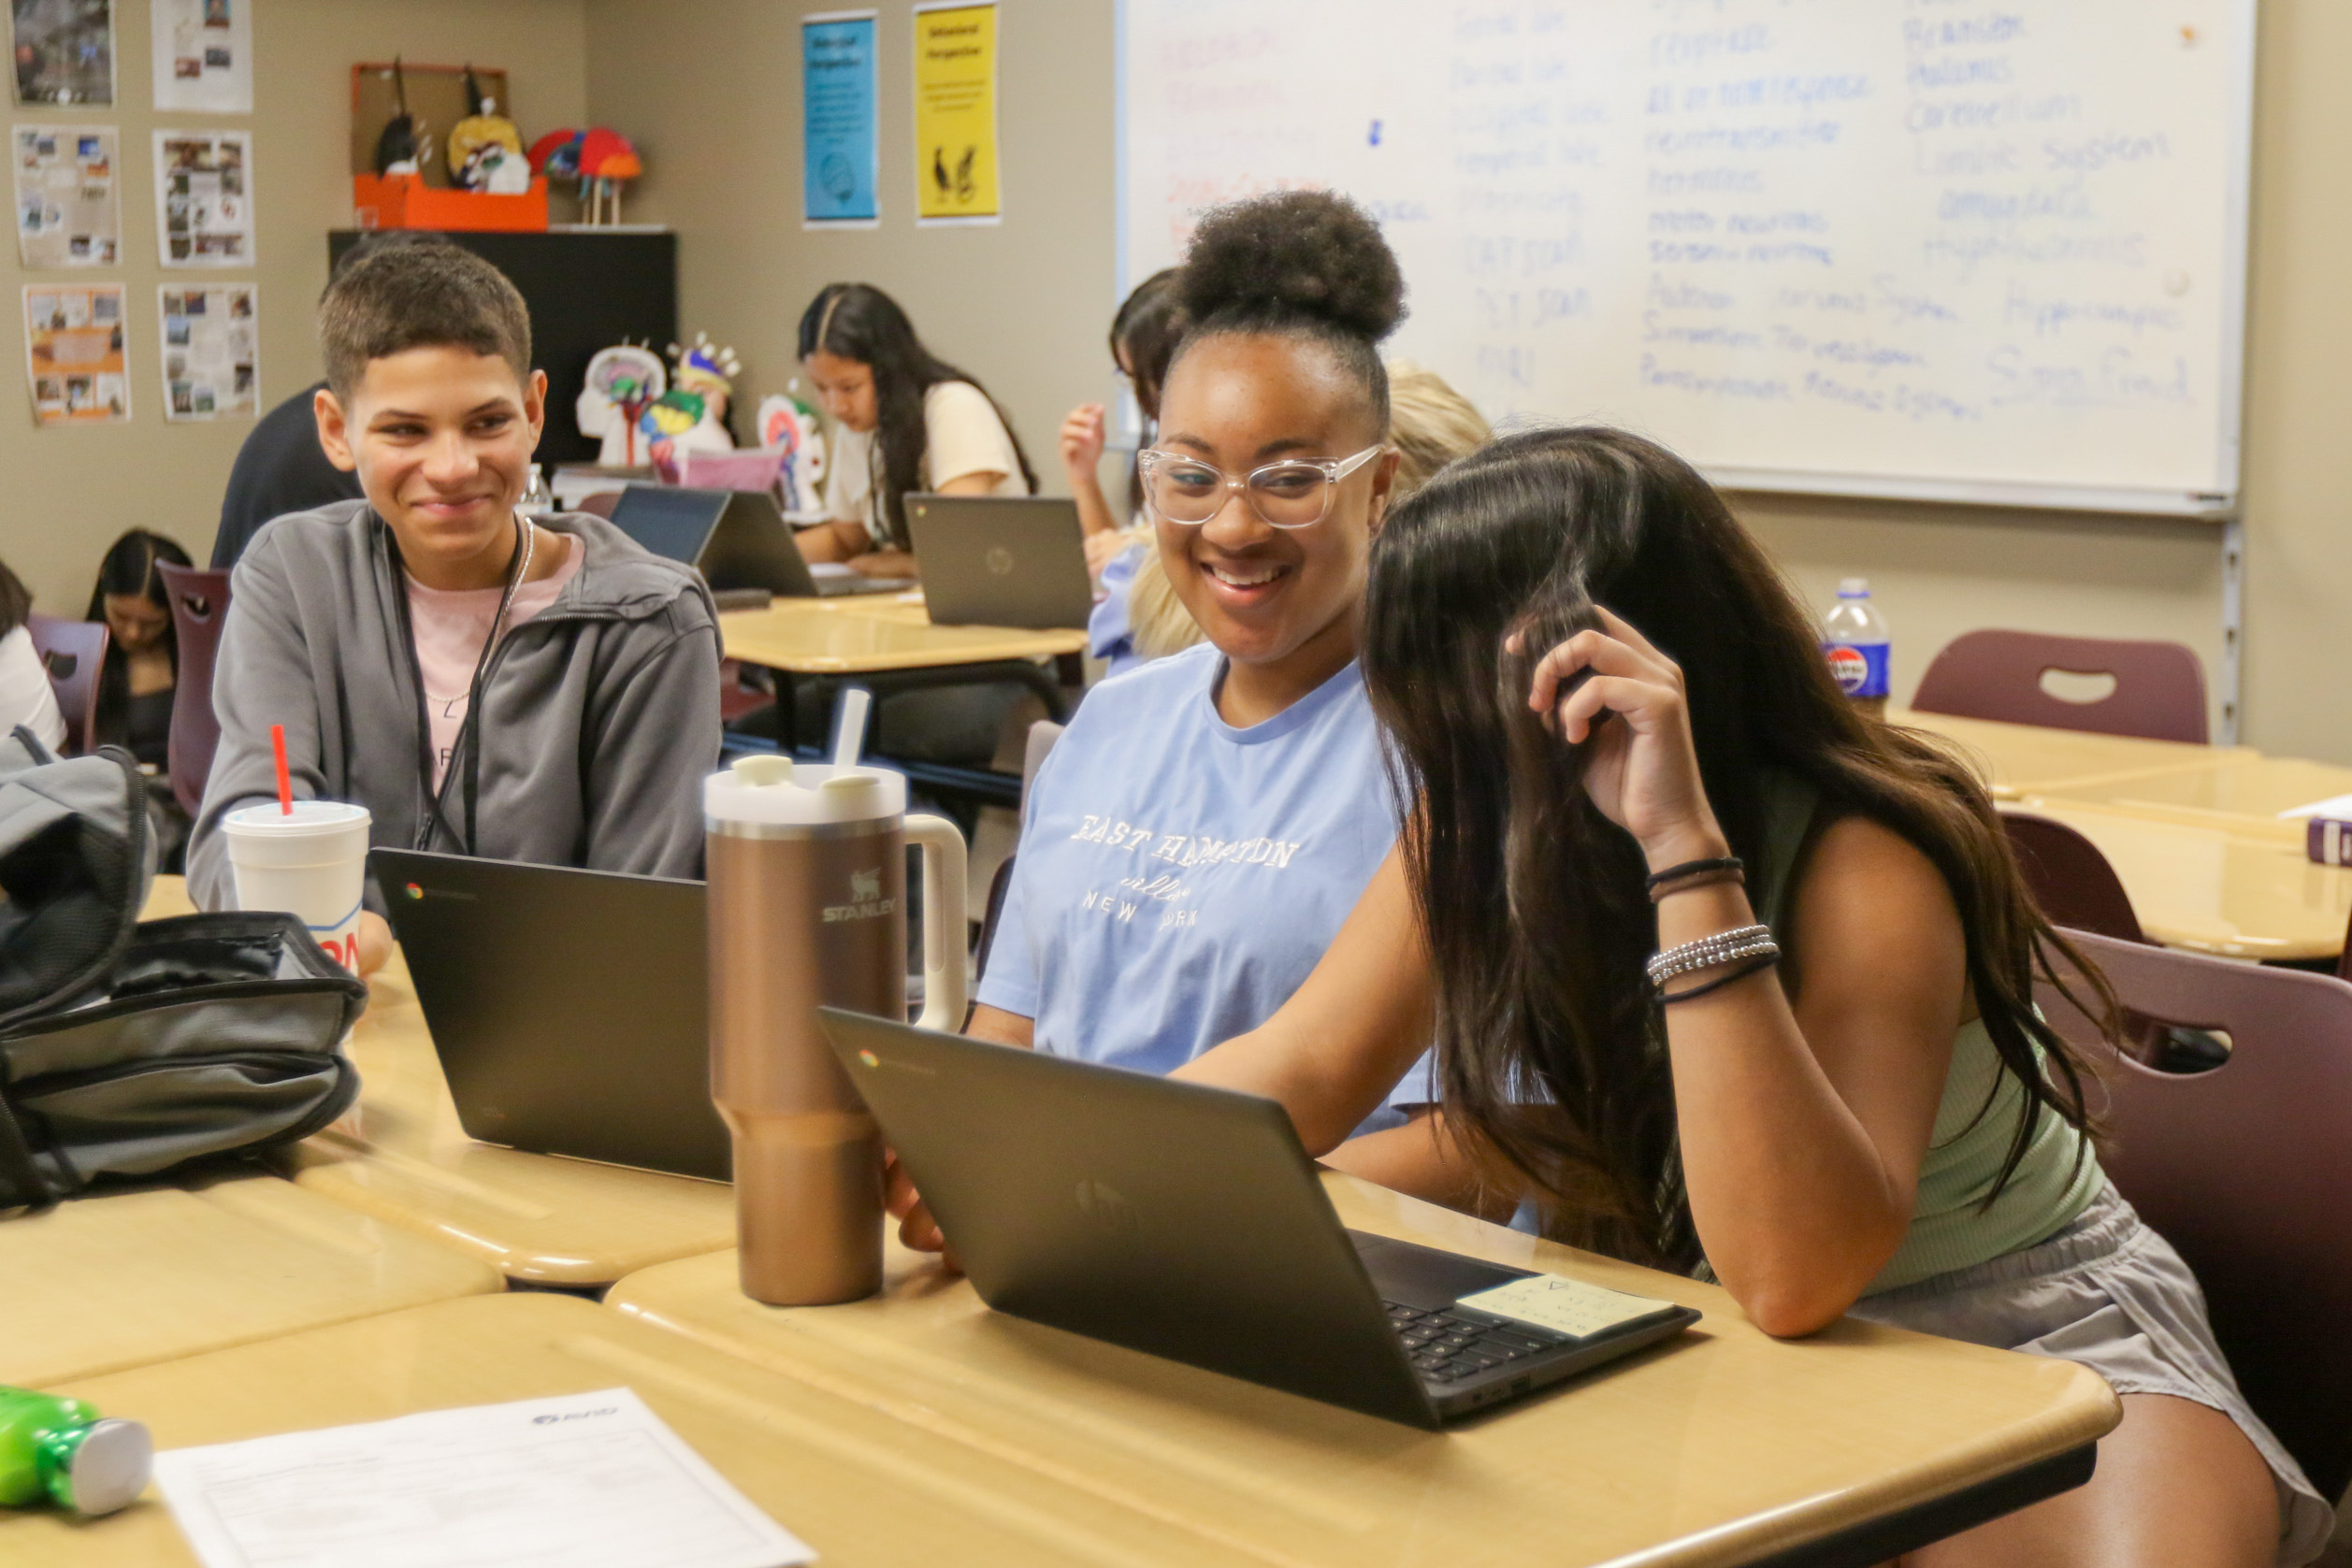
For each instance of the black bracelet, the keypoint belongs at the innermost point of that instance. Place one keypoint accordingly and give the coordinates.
(1693, 867)
(1668, 998)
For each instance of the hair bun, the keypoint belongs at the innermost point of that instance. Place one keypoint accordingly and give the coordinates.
(1312, 253)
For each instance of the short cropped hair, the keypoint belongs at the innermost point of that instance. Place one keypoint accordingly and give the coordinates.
(425, 296)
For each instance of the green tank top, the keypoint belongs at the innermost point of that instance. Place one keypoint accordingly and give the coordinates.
(2053, 1185)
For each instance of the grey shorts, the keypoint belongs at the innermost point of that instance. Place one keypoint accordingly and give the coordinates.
(2110, 1293)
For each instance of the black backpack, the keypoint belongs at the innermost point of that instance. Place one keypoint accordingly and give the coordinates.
(129, 1048)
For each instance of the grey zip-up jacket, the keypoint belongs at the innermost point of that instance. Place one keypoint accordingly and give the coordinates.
(600, 715)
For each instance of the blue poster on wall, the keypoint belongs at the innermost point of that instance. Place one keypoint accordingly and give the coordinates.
(838, 124)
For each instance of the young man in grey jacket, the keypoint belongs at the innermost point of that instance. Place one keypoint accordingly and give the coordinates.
(484, 684)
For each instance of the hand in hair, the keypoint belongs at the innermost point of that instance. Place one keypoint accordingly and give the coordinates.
(1641, 771)
(1082, 440)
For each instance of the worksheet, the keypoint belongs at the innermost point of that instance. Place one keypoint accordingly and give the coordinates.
(204, 203)
(579, 1481)
(66, 211)
(211, 350)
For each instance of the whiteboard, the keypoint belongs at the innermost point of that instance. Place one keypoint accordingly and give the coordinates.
(1985, 250)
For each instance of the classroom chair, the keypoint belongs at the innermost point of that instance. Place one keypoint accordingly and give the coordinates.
(2069, 878)
(2245, 1168)
(75, 654)
(2159, 695)
(602, 503)
(199, 608)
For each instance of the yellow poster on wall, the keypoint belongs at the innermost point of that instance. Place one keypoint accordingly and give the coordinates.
(955, 113)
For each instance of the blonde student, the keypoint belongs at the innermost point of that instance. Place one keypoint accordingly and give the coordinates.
(903, 421)
(483, 682)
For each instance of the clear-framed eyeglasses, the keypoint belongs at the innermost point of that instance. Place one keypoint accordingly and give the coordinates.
(1295, 493)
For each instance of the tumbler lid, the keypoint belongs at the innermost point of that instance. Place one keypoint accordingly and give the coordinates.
(773, 790)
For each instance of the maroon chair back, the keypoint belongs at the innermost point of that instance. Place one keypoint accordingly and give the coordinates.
(75, 654)
(2247, 1169)
(2069, 878)
(602, 503)
(199, 608)
(2159, 687)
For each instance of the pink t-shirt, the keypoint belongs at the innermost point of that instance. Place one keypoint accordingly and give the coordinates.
(451, 626)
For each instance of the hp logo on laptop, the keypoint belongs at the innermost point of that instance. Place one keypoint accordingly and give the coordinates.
(1107, 1206)
(1000, 560)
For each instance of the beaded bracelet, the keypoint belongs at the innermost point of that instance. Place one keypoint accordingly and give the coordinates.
(1755, 966)
(1724, 947)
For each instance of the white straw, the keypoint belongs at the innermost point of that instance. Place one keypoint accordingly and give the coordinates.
(851, 737)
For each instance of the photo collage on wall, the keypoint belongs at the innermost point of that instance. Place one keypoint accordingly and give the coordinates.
(69, 187)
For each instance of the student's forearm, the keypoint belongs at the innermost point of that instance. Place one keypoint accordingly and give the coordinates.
(1795, 1206)
(1423, 1159)
(1094, 512)
(833, 542)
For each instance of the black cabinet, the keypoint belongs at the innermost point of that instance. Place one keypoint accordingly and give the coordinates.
(586, 292)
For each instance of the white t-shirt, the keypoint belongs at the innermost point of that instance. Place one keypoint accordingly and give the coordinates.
(961, 435)
(25, 695)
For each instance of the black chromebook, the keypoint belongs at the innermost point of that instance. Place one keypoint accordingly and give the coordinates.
(737, 539)
(1187, 1222)
(569, 1009)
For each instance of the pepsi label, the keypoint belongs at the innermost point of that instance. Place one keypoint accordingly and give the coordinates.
(1859, 667)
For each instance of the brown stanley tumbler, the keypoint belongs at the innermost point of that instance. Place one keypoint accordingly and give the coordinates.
(808, 907)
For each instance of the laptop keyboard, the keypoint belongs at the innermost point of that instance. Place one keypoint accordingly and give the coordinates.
(1448, 1347)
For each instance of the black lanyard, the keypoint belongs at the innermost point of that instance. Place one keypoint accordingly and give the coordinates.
(463, 761)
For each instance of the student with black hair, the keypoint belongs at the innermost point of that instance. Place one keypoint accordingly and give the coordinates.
(26, 696)
(1208, 822)
(1143, 337)
(903, 419)
(142, 668)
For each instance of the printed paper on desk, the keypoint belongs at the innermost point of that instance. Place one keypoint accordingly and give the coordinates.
(581, 1481)
(2338, 806)
(1565, 1307)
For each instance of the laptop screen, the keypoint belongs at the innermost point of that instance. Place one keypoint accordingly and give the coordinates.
(668, 521)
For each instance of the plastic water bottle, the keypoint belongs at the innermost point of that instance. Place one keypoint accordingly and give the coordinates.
(1854, 638)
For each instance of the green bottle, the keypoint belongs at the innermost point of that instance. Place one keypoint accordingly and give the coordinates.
(62, 1450)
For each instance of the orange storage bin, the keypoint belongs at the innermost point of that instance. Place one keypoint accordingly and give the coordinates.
(404, 201)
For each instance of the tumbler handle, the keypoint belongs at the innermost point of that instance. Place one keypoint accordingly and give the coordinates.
(944, 958)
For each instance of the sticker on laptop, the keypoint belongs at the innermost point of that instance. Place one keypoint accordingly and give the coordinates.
(1565, 1307)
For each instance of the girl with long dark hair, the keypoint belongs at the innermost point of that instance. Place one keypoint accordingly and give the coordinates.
(142, 668)
(1726, 977)
(904, 420)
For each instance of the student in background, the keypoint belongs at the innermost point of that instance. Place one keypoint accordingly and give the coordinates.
(1600, 693)
(903, 421)
(484, 684)
(26, 696)
(142, 670)
(1430, 424)
(1208, 822)
(1143, 335)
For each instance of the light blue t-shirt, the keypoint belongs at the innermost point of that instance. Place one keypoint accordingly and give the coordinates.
(1110, 635)
(1179, 878)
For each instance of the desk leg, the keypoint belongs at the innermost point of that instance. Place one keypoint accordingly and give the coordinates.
(1883, 1540)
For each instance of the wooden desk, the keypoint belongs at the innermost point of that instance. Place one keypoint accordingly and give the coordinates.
(858, 636)
(130, 1278)
(2018, 760)
(1724, 1448)
(535, 1218)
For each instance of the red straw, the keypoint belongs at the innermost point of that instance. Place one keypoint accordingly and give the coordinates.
(285, 782)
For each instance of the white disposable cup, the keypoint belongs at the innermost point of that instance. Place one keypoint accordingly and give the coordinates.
(311, 863)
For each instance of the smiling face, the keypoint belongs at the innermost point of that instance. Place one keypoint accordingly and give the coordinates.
(442, 438)
(1275, 600)
(846, 387)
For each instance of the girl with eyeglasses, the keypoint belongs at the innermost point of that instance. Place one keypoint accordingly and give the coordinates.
(1209, 821)
(1730, 978)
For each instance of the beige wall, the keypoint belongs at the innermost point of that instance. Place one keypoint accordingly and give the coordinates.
(711, 91)
(68, 493)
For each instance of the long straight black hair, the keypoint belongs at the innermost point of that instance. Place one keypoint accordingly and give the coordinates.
(129, 568)
(16, 600)
(857, 320)
(1550, 1054)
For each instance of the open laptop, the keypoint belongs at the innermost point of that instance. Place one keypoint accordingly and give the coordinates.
(1187, 1222)
(1001, 561)
(738, 538)
(569, 1009)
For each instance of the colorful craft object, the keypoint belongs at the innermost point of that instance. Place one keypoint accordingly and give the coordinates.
(485, 149)
(601, 159)
(691, 415)
(622, 384)
(787, 423)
